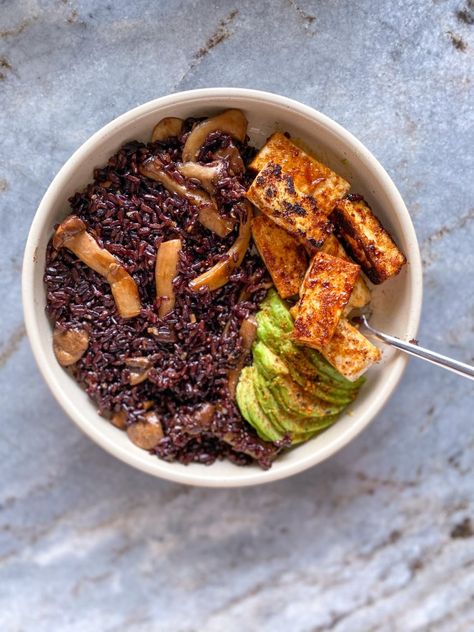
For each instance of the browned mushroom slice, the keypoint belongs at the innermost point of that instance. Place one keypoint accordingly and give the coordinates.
(200, 419)
(139, 369)
(248, 332)
(232, 155)
(119, 420)
(168, 127)
(231, 122)
(207, 174)
(208, 213)
(214, 222)
(166, 268)
(72, 234)
(219, 274)
(147, 433)
(70, 345)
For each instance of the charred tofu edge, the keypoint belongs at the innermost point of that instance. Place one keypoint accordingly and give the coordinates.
(274, 194)
(284, 257)
(349, 352)
(325, 291)
(366, 240)
(310, 177)
(360, 294)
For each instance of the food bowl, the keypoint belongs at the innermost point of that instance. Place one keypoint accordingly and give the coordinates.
(396, 305)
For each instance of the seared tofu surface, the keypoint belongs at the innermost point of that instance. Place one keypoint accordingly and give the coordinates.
(366, 240)
(309, 176)
(273, 192)
(284, 257)
(349, 351)
(360, 294)
(325, 292)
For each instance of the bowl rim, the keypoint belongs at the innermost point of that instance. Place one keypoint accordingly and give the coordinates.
(183, 474)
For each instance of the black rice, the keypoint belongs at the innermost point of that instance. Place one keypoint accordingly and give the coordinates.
(193, 347)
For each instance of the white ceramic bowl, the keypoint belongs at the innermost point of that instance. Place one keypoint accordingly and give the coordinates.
(396, 304)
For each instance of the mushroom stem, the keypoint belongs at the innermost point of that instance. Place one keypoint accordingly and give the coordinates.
(72, 234)
(166, 268)
(208, 213)
(231, 122)
(219, 274)
(206, 174)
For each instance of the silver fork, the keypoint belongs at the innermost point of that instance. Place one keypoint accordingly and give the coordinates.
(420, 352)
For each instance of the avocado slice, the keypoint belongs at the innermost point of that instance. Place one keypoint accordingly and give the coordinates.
(281, 314)
(273, 365)
(288, 396)
(291, 423)
(250, 408)
(309, 361)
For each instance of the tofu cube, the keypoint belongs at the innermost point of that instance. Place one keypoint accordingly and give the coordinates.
(308, 175)
(360, 294)
(366, 240)
(349, 352)
(274, 194)
(325, 292)
(284, 257)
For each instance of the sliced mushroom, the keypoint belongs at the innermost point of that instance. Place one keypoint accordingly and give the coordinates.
(214, 222)
(208, 213)
(119, 420)
(207, 174)
(72, 234)
(231, 122)
(139, 369)
(219, 274)
(166, 268)
(200, 419)
(147, 404)
(70, 345)
(232, 155)
(146, 433)
(248, 332)
(168, 127)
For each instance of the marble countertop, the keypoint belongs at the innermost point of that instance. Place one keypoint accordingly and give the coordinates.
(381, 536)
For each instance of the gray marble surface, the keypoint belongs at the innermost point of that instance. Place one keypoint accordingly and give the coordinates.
(381, 536)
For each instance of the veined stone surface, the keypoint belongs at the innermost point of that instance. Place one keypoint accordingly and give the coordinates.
(379, 538)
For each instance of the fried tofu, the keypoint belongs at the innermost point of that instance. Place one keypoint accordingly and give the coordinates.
(325, 292)
(273, 192)
(366, 240)
(284, 257)
(308, 175)
(360, 294)
(349, 351)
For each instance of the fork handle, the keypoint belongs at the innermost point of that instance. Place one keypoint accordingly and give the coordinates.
(455, 366)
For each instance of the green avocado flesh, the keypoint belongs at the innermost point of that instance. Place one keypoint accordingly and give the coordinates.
(289, 392)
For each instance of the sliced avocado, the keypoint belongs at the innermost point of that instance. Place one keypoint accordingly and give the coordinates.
(250, 408)
(290, 423)
(273, 366)
(266, 400)
(323, 366)
(274, 307)
(285, 397)
(301, 437)
(280, 312)
(277, 339)
(268, 362)
(294, 399)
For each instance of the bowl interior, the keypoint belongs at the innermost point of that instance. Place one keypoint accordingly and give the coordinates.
(396, 304)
